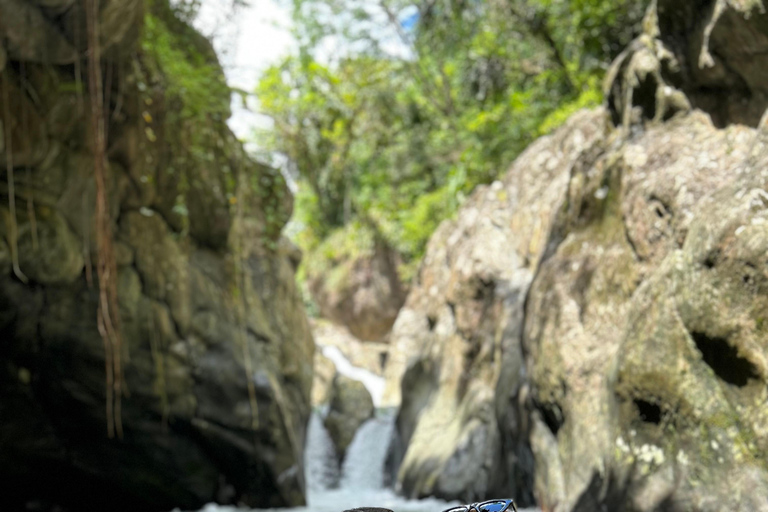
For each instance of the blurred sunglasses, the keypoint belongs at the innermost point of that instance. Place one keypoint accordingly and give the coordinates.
(486, 506)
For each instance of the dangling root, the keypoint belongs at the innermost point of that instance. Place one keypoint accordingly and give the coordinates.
(108, 313)
(241, 276)
(31, 196)
(13, 227)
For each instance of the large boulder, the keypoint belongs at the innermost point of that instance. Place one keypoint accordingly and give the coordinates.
(456, 343)
(350, 407)
(216, 349)
(630, 373)
(598, 326)
(353, 277)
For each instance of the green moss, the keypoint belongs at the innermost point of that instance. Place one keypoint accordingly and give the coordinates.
(333, 256)
(186, 62)
(591, 97)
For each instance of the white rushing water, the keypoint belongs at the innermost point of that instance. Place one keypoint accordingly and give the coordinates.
(372, 382)
(361, 480)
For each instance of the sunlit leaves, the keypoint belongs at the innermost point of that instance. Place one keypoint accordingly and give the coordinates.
(392, 111)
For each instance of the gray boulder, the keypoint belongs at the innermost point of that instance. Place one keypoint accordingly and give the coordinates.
(350, 407)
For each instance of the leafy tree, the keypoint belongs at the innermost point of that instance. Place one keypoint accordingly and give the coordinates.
(391, 112)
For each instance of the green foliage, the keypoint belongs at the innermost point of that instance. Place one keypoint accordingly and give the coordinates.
(591, 97)
(394, 126)
(186, 61)
(343, 245)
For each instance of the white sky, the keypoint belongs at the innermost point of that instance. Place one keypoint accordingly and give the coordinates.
(260, 35)
(257, 37)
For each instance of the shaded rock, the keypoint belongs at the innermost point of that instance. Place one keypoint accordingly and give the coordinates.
(32, 37)
(716, 63)
(216, 349)
(350, 407)
(28, 142)
(49, 252)
(161, 263)
(357, 287)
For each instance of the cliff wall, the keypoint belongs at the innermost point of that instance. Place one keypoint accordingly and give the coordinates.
(216, 350)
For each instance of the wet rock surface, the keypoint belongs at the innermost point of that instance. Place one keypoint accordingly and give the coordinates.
(207, 298)
(596, 318)
(350, 406)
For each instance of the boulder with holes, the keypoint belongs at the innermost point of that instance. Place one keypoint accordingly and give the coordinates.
(632, 369)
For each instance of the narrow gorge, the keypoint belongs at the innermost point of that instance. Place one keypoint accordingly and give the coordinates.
(585, 332)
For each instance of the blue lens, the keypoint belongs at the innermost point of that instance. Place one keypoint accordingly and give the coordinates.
(496, 506)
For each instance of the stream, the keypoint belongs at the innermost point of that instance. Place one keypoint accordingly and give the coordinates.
(360, 481)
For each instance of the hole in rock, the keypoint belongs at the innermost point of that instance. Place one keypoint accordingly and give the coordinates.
(645, 96)
(432, 322)
(649, 412)
(711, 259)
(725, 360)
(484, 289)
(553, 417)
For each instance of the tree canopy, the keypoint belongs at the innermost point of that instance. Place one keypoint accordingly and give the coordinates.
(392, 111)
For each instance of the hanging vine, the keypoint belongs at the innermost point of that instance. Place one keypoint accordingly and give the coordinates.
(242, 277)
(108, 318)
(28, 170)
(13, 228)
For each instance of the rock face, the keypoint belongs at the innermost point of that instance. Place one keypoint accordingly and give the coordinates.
(322, 382)
(457, 341)
(592, 327)
(359, 289)
(217, 352)
(350, 407)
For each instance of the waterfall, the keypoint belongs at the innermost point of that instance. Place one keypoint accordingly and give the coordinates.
(372, 382)
(360, 481)
(320, 466)
(364, 464)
